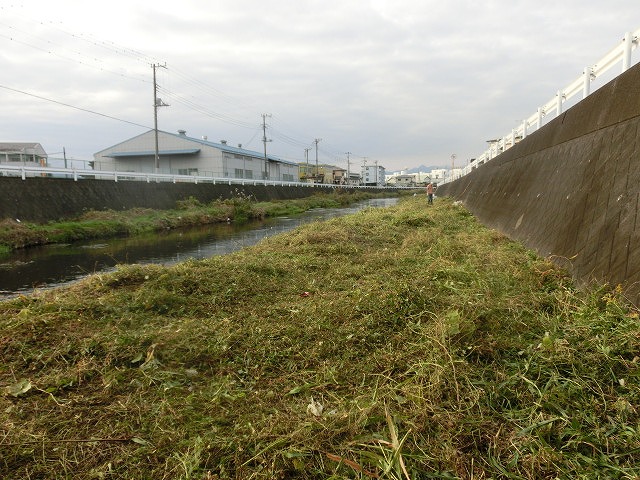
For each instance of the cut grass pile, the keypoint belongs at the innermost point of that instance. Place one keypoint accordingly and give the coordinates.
(188, 213)
(400, 343)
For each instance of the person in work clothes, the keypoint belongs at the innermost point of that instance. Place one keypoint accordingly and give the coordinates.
(430, 193)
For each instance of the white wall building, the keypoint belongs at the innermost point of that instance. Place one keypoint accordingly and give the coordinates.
(373, 175)
(438, 175)
(183, 155)
(415, 179)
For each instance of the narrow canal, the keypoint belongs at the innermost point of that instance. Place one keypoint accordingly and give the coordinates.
(54, 265)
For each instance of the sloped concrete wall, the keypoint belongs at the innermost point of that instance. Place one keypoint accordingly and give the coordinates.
(44, 199)
(571, 190)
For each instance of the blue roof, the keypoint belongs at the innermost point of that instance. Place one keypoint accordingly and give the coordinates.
(147, 153)
(236, 150)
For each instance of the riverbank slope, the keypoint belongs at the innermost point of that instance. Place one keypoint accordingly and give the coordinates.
(239, 208)
(408, 342)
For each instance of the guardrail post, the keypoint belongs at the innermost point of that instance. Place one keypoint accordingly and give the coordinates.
(558, 103)
(24, 176)
(75, 175)
(539, 120)
(626, 57)
(586, 86)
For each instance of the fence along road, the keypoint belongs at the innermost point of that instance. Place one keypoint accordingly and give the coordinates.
(620, 54)
(26, 171)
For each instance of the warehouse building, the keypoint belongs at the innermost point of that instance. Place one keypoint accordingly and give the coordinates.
(183, 155)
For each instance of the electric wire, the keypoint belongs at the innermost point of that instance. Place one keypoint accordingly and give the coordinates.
(89, 62)
(119, 50)
(191, 103)
(75, 107)
(209, 89)
(203, 110)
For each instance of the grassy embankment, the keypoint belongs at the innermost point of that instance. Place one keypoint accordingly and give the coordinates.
(401, 343)
(188, 213)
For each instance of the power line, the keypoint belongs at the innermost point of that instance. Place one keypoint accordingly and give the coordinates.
(203, 110)
(209, 89)
(289, 140)
(189, 101)
(74, 107)
(93, 62)
(90, 62)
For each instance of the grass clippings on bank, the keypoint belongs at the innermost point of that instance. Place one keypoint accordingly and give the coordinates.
(400, 343)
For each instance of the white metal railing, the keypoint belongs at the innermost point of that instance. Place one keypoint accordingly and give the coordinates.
(581, 85)
(26, 171)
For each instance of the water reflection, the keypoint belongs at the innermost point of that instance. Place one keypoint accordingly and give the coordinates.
(54, 265)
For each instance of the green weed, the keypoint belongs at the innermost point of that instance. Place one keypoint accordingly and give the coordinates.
(399, 343)
(188, 213)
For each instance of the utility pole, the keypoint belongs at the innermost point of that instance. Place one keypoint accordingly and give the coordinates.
(264, 141)
(364, 169)
(376, 166)
(348, 167)
(306, 160)
(157, 102)
(453, 163)
(316, 142)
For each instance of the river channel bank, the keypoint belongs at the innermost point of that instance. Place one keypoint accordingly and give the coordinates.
(399, 343)
(93, 224)
(48, 266)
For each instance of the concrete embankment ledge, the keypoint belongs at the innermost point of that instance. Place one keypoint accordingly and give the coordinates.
(571, 189)
(43, 199)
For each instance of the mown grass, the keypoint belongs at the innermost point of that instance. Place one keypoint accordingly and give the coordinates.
(399, 343)
(109, 223)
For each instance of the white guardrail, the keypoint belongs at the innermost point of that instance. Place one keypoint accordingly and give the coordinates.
(621, 53)
(26, 171)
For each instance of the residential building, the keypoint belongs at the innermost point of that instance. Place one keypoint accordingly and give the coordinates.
(438, 175)
(339, 176)
(28, 154)
(322, 173)
(354, 179)
(183, 155)
(373, 175)
(401, 179)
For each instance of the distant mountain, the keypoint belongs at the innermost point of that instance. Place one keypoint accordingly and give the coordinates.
(423, 168)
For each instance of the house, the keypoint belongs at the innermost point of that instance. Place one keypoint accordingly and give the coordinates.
(323, 173)
(308, 173)
(403, 180)
(27, 154)
(353, 178)
(339, 176)
(183, 155)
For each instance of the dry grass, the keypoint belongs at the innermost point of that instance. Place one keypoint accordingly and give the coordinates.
(397, 343)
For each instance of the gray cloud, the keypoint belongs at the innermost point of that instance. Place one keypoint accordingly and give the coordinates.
(402, 82)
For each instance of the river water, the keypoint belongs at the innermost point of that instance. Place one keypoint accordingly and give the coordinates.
(55, 265)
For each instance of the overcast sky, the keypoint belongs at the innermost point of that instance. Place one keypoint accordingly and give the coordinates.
(399, 82)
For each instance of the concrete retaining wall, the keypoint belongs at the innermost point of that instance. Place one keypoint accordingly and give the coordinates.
(571, 190)
(43, 199)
